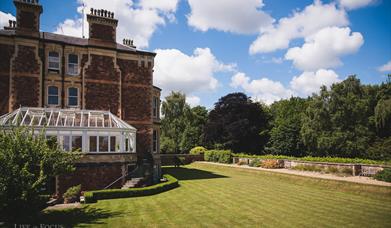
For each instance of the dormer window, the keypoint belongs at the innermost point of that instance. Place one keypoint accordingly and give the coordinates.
(54, 62)
(73, 64)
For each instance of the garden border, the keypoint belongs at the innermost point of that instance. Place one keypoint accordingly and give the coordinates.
(94, 196)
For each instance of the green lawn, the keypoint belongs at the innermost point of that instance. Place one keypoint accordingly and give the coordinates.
(215, 196)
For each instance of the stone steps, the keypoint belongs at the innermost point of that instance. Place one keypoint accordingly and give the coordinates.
(132, 183)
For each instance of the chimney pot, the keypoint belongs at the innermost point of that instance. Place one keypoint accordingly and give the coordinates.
(91, 11)
(10, 23)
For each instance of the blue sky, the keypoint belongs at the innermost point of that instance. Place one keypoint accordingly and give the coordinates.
(269, 49)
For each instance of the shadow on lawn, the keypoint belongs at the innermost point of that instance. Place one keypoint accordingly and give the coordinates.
(68, 217)
(183, 173)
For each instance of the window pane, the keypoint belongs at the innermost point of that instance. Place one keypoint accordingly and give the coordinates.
(73, 59)
(154, 140)
(65, 143)
(112, 143)
(53, 100)
(72, 92)
(72, 101)
(93, 143)
(53, 54)
(53, 90)
(127, 145)
(76, 143)
(72, 69)
(103, 143)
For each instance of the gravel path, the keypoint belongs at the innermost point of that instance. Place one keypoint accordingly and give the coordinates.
(355, 179)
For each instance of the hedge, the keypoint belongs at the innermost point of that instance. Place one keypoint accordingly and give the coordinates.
(221, 156)
(93, 196)
(317, 159)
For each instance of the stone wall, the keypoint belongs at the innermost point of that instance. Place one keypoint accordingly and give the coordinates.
(357, 169)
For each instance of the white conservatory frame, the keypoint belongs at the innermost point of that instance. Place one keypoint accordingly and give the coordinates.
(68, 123)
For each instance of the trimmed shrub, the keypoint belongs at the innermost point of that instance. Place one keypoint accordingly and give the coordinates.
(255, 162)
(221, 156)
(384, 175)
(270, 164)
(317, 159)
(93, 196)
(312, 168)
(198, 150)
(72, 194)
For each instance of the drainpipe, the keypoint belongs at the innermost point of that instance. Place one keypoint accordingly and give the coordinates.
(43, 70)
(63, 77)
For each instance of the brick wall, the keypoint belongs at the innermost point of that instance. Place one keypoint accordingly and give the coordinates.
(5, 59)
(103, 32)
(102, 89)
(26, 77)
(27, 20)
(93, 176)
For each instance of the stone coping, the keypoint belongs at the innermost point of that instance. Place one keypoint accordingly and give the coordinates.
(323, 163)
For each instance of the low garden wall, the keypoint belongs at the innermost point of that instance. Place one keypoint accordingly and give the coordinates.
(170, 159)
(354, 169)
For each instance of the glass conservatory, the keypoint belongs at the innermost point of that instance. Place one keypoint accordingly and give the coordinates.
(88, 131)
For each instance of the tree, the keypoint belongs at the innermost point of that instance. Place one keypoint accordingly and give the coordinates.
(195, 123)
(27, 163)
(337, 121)
(173, 124)
(238, 124)
(287, 121)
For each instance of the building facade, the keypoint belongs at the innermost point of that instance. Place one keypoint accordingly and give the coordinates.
(42, 69)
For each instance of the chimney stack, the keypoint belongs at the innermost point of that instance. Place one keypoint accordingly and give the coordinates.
(128, 42)
(102, 25)
(28, 14)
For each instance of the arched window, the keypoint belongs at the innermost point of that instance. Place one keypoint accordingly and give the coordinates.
(53, 98)
(73, 96)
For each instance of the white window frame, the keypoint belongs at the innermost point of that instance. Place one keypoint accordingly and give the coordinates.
(48, 95)
(52, 59)
(73, 64)
(77, 96)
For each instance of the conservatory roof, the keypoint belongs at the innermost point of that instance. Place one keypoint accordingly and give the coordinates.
(63, 118)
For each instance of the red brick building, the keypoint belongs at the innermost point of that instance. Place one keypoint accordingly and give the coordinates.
(42, 69)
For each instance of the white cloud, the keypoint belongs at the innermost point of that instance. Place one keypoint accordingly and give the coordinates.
(355, 4)
(310, 82)
(4, 18)
(176, 71)
(244, 16)
(193, 100)
(268, 91)
(385, 68)
(137, 22)
(301, 24)
(324, 48)
(263, 89)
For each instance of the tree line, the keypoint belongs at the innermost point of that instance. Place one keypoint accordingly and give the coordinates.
(349, 119)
